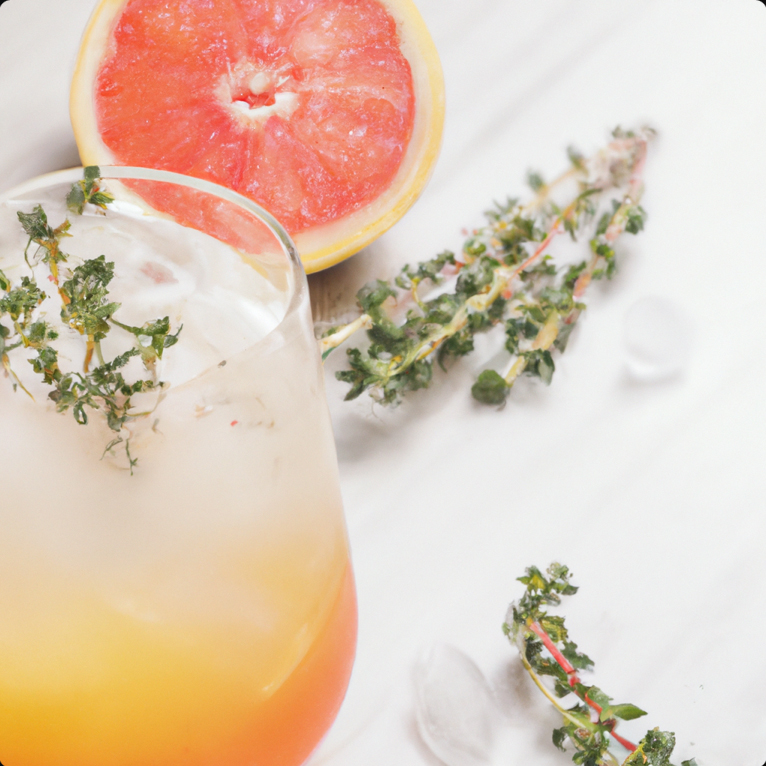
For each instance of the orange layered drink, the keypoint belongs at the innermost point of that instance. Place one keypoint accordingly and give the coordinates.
(176, 591)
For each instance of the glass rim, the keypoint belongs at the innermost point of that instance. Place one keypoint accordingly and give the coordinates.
(299, 284)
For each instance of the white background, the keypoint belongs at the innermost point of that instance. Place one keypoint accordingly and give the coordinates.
(652, 493)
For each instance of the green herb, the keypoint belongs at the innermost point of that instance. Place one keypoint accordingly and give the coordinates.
(87, 310)
(88, 191)
(503, 278)
(47, 239)
(545, 649)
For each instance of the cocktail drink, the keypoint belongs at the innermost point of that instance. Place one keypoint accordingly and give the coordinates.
(175, 587)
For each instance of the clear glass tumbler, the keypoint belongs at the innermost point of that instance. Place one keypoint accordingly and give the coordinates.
(175, 587)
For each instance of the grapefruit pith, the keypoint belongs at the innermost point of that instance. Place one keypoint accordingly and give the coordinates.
(328, 113)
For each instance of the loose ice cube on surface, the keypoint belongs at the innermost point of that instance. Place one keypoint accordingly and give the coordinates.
(456, 711)
(657, 338)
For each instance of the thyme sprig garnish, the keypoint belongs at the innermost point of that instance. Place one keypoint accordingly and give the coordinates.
(545, 649)
(503, 277)
(87, 310)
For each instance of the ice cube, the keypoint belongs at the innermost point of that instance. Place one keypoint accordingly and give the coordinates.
(456, 713)
(657, 338)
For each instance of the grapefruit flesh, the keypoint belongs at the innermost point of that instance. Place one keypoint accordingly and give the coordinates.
(328, 113)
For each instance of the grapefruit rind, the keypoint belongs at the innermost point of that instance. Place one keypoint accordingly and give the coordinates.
(324, 245)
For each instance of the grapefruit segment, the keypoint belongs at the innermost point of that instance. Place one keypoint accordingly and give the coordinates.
(328, 113)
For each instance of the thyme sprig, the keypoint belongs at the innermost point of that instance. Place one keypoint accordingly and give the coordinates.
(503, 277)
(545, 649)
(87, 310)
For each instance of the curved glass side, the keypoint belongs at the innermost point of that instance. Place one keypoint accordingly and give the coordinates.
(180, 584)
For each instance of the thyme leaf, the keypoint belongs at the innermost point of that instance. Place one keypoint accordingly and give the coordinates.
(87, 192)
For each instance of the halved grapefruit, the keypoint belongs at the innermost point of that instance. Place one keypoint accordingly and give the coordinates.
(328, 113)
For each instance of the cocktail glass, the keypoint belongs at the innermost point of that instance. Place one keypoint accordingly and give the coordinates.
(199, 609)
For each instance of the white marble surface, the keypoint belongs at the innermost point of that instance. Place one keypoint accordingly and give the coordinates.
(652, 492)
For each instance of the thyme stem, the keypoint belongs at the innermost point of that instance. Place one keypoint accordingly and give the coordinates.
(85, 308)
(531, 629)
(577, 722)
(505, 275)
(573, 677)
(329, 342)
